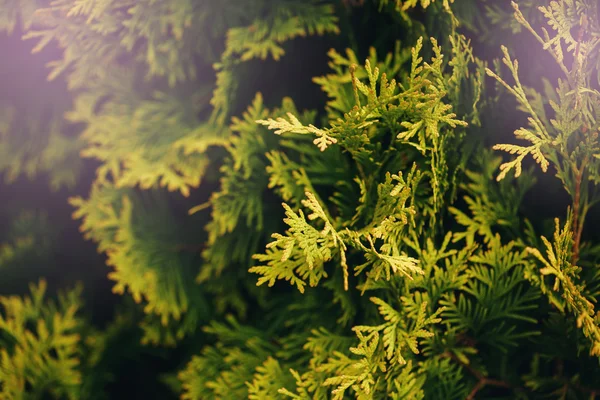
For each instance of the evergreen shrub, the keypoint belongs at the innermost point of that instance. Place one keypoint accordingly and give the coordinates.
(299, 199)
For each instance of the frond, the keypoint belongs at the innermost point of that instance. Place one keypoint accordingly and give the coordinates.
(40, 345)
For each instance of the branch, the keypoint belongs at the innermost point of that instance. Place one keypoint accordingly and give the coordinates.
(482, 380)
(577, 221)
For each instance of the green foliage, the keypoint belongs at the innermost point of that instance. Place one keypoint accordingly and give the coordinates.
(153, 270)
(40, 342)
(494, 298)
(493, 207)
(28, 241)
(568, 142)
(119, 135)
(403, 6)
(34, 137)
(314, 249)
(411, 273)
(263, 38)
(146, 122)
(557, 265)
(221, 371)
(381, 211)
(17, 12)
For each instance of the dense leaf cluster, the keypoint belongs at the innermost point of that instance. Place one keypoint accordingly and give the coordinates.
(375, 248)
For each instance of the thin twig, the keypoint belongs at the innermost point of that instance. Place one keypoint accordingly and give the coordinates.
(577, 221)
(482, 380)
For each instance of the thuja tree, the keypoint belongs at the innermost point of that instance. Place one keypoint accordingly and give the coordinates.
(376, 247)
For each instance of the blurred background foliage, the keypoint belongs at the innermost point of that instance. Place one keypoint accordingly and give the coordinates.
(120, 122)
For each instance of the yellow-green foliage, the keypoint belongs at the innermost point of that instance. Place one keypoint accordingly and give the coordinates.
(373, 249)
(382, 212)
(150, 138)
(567, 139)
(154, 271)
(39, 352)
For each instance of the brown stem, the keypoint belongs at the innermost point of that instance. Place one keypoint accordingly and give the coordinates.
(576, 217)
(482, 380)
(476, 389)
(577, 222)
(584, 389)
